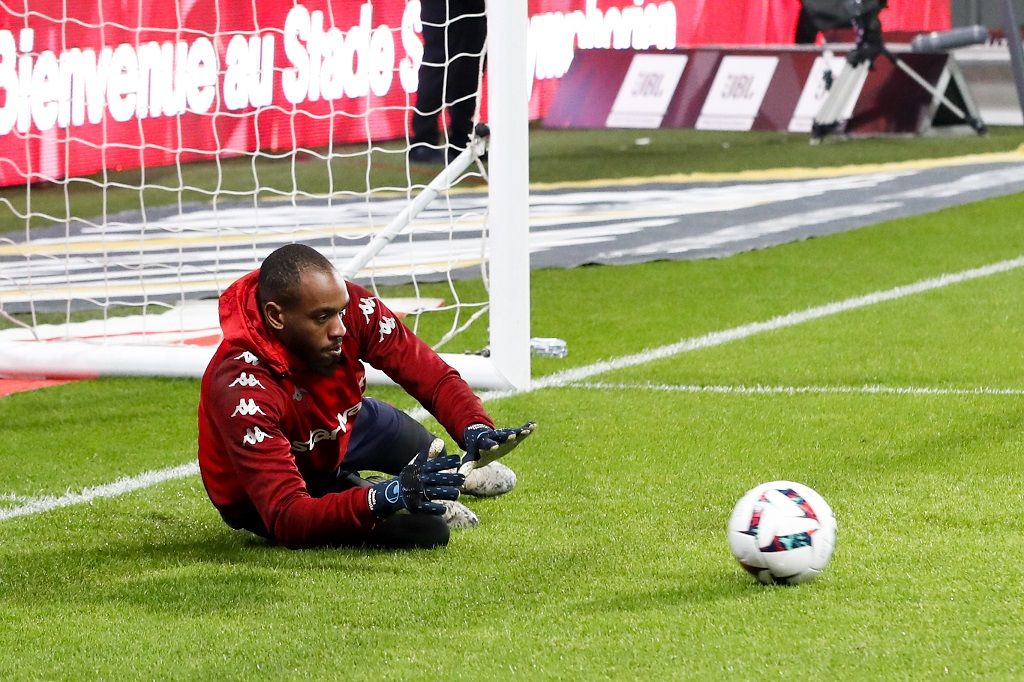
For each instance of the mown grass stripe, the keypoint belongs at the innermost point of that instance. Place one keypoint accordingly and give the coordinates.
(759, 389)
(567, 377)
(718, 338)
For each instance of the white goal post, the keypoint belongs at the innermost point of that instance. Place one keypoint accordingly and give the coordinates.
(52, 249)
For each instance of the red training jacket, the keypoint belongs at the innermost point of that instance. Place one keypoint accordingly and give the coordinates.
(268, 425)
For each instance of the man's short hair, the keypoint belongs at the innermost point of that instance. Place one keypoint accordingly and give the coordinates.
(282, 270)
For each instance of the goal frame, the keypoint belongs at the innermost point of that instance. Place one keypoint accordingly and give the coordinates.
(507, 366)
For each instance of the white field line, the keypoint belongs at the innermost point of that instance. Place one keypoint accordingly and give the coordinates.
(38, 505)
(570, 376)
(718, 338)
(868, 389)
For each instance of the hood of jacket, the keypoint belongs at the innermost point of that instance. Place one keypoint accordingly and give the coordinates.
(242, 323)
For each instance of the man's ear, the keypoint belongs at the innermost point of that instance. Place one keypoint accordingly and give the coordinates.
(274, 315)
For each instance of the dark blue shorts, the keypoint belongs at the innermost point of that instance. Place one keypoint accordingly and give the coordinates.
(384, 439)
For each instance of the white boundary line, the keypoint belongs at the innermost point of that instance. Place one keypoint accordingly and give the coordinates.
(867, 389)
(567, 377)
(127, 484)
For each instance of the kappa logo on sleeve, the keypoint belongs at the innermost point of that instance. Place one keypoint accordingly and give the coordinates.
(247, 380)
(387, 325)
(247, 408)
(367, 305)
(254, 435)
(248, 357)
(298, 393)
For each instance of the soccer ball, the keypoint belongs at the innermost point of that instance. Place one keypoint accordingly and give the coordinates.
(782, 532)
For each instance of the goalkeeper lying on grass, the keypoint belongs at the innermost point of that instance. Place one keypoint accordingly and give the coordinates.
(284, 427)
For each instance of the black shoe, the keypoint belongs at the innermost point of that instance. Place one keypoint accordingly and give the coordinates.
(425, 154)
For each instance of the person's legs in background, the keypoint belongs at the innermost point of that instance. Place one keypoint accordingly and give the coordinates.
(454, 32)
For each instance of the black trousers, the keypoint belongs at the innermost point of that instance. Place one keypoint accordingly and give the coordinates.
(452, 43)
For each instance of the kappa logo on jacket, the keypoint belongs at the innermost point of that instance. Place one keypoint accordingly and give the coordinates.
(387, 325)
(317, 435)
(247, 380)
(367, 306)
(254, 435)
(247, 408)
(248, 357)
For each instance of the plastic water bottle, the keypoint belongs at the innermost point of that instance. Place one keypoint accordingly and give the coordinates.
(549, 347)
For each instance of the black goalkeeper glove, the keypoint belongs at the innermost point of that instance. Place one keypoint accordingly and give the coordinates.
(485, 444)
(422, 481)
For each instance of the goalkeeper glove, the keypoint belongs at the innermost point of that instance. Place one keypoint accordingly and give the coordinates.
(422, 481)
(485, 444)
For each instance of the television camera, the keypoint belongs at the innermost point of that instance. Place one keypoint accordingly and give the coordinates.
(863, 17)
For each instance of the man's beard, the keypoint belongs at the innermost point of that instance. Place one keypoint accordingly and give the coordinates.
(323, 364)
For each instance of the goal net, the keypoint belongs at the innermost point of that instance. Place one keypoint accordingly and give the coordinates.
(150, 154)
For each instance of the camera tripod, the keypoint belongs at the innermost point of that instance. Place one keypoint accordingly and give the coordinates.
(843, 91)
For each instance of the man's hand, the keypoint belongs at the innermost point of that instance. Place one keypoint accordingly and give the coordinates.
(422, 481)
(484, 444)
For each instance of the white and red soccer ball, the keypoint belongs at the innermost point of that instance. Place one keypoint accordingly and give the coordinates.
(782, 532)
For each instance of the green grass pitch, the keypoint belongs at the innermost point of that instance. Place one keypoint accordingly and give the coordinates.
(609, 561)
